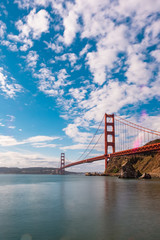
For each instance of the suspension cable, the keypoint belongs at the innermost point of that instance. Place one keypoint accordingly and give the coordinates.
(140, 128)
(93, 146)
(91, 139)
(137, 125)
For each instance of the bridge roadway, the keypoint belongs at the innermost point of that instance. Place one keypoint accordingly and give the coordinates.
(146, 148)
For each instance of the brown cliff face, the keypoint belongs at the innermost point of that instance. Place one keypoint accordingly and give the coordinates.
(145, 163)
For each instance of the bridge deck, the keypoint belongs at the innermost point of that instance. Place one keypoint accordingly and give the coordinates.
(146, 148)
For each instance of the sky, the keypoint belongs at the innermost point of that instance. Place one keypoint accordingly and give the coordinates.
(63, 65)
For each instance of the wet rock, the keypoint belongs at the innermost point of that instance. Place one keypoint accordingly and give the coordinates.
(88, 174)
(145, 176)
(138, 174)
(127, 171)
(95, 174)
(104, 174)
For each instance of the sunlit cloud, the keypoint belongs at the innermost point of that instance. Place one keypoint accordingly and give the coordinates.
(8, 86)
(22, 159)
(36, 141)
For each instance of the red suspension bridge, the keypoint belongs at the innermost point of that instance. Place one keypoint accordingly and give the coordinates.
(120, 137)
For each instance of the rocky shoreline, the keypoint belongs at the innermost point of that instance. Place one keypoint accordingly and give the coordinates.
(127, 171)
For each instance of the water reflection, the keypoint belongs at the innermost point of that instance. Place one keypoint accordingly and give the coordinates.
(132, 209)
(79, 207)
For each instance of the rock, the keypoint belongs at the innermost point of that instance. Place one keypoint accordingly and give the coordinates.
(138, 174)
(127, 171)
(104, 174)
(88, 174)
(145, 176)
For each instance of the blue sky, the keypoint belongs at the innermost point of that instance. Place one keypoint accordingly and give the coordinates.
(64, 64)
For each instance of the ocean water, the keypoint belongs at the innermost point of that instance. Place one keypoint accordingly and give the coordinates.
(48, 207)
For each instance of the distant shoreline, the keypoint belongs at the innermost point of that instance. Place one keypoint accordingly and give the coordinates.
(32, 170)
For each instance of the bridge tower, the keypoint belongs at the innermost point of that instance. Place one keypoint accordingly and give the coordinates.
(109, 133)
(62, 171)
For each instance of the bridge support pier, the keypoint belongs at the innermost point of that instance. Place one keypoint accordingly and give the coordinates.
(109, 132)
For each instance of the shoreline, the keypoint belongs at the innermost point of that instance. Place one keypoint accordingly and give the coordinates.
(92, 174)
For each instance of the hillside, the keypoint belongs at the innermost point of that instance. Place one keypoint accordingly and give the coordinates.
(32, 170)
(148, 162)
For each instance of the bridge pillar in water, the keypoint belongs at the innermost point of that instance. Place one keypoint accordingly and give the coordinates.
(109, 133)
(62, 171)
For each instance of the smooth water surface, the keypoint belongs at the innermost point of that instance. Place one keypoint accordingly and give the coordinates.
(48, 207)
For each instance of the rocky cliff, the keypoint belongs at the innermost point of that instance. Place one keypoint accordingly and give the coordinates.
(145, 163)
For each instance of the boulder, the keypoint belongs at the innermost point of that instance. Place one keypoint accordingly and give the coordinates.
(88, 174)
(145, 176)
(127, 171)
(138, 174)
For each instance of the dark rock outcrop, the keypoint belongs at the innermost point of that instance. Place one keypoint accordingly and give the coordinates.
(138, 174)
(127, 170)
(145, 176)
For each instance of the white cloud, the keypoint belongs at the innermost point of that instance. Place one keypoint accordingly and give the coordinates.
(27, 43)
(8, 87)
(46, 83)
(106, 24)
(156, 54)
(36, 141)
(44, 145)
(10, 45)
(31, 3)
(51, 84)
(21, 159)
(73, 132)
(8, 141)
(11, 118)
(11, 127)
(78, 93)
(61, 78)
(71, 25)
(102, 61)
(31, 59)
(74, 147)
(2, 29)
(54, 46)
(112, 36)
(35, 24)
(24, 3)
(71, 57)
(84, 50)
(138, 71)
(31, 27)
(152, 32)
(91, 13)
(110, 98)
(69, 34)
(83, 147)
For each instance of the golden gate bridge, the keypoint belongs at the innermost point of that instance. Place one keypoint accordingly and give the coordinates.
(120, 137)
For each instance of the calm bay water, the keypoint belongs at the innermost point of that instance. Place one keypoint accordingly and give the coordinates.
(48, 207)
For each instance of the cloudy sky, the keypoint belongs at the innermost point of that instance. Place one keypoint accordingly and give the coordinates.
(63, 64)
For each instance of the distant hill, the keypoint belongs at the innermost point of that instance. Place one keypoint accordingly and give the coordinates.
(31, 170)
(146, 162)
